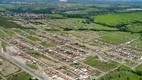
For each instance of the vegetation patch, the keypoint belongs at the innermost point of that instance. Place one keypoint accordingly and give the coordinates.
(32, 65)
(117, 37)
(105, 65)
(7, 23)
(124, 73)
(118, 20)
(20, 76)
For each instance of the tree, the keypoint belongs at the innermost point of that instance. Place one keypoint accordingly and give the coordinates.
(128, 78)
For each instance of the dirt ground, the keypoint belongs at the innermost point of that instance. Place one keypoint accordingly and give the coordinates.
(6, 68)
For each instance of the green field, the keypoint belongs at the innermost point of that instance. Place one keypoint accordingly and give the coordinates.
(38, 55)
(33, 38)
(2, 34)
(80, 24)
(135, 27)
(124, 73)
(27, 35)
(4, 45)
(48, 45)
(117, 37)
(136, 45)
(138, 70)
(102, 65)
(20, 76)
(118, 19)
(7, 23)
(9, 32)
(54, 16)
(121, 75)
(32, 65)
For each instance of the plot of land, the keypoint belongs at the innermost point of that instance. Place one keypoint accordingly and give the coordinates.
(118, 19)
(102, 65)
(7, 68)
(117, 37)
(20, 76)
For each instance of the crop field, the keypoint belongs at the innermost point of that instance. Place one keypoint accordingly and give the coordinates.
(117, 19)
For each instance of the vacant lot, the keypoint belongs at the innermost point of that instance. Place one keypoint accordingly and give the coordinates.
(136, 45)
(20, 76)
(32, 65)
(7, 68)
(117, 37)
(103, 65)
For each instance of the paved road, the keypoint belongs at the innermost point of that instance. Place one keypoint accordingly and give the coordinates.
(23, 67)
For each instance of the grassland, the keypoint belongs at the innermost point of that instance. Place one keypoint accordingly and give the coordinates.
(9, 32)
(136, 45)
(27, 35)
(54, 16)
(7, 23)
(4, 45)
(135, 27)
(48, 45)
(139, 70)
(118, 19)
(20, 76)
(117, 37)
(122, 75)
(1, 34)
(38, 55)
(32, 65)
(81, 24)
(102, 65)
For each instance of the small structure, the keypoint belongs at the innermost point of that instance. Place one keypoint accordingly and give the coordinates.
(63, 0)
